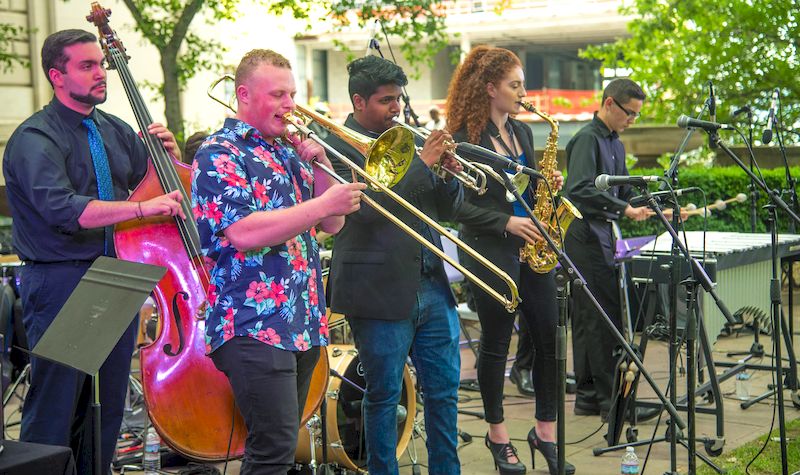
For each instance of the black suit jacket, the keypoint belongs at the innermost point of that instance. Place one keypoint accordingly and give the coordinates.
(376, 267)
(483, 218)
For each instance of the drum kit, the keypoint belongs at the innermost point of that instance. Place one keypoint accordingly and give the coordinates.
(333, 417)
(340, 410)
(14, 362)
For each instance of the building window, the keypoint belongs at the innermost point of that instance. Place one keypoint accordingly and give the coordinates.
(319, 84)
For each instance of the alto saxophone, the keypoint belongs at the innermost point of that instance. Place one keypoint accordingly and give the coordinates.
(539, 256)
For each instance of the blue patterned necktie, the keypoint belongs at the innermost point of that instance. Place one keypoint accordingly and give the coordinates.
(102, 171)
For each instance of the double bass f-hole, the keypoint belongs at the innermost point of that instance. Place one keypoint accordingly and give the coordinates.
(176, 313)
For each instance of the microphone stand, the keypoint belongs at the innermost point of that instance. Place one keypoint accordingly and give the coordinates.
(697, 277)
(791, 191)
(775, 291)
(671, 176)
(408, 111)
(576, 280)
(754, 194)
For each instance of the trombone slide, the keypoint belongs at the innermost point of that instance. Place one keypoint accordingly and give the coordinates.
(509, 303)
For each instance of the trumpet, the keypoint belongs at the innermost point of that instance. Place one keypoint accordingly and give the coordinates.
(472, 177)
(387, 158)
(519, 180)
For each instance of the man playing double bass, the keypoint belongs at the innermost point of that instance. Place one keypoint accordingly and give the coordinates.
(69, 169)
(257, 202)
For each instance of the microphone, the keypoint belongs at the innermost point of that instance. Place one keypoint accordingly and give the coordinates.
(476, 151)
(742, 110)
(604, 182)
(641, 200)
(372, 32)
(773, 107)
(712, 111)
(712, 102)
(685, 121)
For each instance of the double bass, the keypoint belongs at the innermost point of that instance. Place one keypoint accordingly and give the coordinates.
(189, 401)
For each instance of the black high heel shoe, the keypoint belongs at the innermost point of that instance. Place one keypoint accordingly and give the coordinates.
(501, 453)
(549, 452)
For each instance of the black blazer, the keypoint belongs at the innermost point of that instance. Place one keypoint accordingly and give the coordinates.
(376, 267)
(483, 218)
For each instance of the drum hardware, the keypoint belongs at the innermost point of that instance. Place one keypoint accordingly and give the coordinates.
(313, 427)
(341, 434)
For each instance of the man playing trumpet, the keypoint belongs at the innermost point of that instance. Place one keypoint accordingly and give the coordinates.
(394, 291)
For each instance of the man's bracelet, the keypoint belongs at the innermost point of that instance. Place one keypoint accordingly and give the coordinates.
(140, 214)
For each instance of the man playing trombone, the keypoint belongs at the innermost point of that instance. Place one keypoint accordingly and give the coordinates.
(393, 290)
(257, 203)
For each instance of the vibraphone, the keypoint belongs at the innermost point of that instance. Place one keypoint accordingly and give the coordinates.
(738, 263)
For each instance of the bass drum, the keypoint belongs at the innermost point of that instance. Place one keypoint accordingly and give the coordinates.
(317, 387)
(345, 429)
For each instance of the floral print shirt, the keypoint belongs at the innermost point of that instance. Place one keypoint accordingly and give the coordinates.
(271, 294)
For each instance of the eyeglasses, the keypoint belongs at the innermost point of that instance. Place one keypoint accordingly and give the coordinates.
(626, 111)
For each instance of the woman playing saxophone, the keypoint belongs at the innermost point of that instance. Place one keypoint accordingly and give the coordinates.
(484, 92)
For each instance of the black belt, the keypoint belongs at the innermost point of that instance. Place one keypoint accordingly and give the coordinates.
(75, 263)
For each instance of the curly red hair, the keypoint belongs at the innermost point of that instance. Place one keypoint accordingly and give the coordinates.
(467, 99)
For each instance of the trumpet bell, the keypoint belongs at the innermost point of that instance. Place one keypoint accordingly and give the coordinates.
(520, 182)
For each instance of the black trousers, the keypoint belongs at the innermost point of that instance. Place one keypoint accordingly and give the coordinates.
(539, 309)
(270, 386)
(593, 342)
(525, 350)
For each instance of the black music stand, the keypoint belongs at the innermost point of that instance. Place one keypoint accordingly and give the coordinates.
(93, 320)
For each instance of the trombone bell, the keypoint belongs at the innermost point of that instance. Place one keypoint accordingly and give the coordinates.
(387, 158)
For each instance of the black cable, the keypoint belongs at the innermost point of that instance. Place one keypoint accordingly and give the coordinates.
(194, 468)
(230, 437)
(774, 409)
(587, 437)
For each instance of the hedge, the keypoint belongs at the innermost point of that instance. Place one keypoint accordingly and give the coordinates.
(718, 183)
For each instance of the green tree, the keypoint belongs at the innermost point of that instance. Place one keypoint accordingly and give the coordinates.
(420, 24)
(166, 25)
(9, 34)
(747, 48)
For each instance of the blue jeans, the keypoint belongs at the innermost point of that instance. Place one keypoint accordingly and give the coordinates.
(431, 335)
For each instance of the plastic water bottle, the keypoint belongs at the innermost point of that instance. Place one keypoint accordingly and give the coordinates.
(630, 462)
(743, 386)
(152, 452)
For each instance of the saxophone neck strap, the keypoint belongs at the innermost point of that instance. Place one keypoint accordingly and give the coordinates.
(495, 132)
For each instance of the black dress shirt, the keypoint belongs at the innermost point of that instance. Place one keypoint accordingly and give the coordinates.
(50, 179)
(595, 150)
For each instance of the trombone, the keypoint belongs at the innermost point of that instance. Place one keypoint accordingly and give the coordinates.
(472, 177)
(388, 157)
